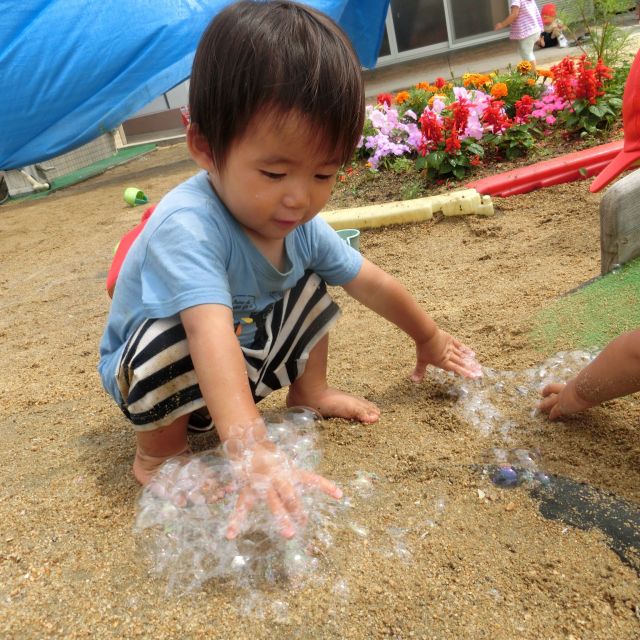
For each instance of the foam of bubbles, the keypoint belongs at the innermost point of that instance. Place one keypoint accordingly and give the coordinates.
(182, 517)
(476, 398)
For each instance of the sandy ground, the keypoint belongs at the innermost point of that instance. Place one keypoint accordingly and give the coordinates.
(492, 567)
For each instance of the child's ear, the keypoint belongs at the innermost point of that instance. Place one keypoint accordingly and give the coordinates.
(199, 149)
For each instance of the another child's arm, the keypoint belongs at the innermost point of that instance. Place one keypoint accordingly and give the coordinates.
(383, 294)
(515, 11)
(222, 377)
(614, 373)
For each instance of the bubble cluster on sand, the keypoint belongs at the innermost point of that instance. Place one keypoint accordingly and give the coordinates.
(182, 517)
(477, 399)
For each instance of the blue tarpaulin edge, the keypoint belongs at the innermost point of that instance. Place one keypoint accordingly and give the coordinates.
(71, 70)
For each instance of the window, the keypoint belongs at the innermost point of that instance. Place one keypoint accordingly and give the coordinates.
(419, 23)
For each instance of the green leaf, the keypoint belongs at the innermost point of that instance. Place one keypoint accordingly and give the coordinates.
(434, 159)
(475, 149)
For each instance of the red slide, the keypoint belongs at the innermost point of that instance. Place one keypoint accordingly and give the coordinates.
(123, 248)
(573, 166)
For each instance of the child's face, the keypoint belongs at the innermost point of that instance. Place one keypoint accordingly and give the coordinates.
(276, 177)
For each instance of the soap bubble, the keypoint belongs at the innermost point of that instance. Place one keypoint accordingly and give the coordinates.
(363, 483)
(341, 589)
(505, 477)
(398, 544)
(302, 417)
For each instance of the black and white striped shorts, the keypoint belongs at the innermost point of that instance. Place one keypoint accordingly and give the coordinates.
(156, 377)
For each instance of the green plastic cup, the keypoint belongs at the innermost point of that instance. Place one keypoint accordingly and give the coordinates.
(133, 196)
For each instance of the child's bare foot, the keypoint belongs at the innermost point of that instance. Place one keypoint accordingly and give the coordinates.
(146, 466)
(333, 403)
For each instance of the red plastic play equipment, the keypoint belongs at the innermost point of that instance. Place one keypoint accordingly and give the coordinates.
(630, 153)
(123, 248)
(606, 161)
(573, 166)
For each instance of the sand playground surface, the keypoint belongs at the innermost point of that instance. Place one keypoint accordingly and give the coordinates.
(433, 548)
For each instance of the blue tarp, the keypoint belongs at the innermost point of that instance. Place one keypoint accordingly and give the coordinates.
(73, 69)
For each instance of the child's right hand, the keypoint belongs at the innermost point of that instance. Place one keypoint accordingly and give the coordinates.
(562, 399)
(265, 473)
(444, 351)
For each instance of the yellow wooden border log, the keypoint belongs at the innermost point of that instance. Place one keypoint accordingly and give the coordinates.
(454, 203)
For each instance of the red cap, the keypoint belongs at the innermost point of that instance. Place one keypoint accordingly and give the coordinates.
(548, 12)
(631, 124)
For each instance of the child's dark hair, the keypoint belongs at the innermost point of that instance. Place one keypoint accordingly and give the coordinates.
(276, 57)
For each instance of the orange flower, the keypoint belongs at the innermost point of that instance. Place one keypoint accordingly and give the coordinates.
(425, 86)
(545, 73)
(524, 67)
(475, 79)
(499, 90)
(531, 82)
(401, 97)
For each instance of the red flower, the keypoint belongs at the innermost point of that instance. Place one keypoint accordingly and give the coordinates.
(564, 80)
(460, 111)
(587, 84)
(494, 117)
(431, 132)
(603, 72)
(385, 98)
(452, 143)
(439, 82)
(524, 107)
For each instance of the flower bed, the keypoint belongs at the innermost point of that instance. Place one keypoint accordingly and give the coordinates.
(446, 129)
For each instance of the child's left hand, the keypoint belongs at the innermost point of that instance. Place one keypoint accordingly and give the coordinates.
(447, 353)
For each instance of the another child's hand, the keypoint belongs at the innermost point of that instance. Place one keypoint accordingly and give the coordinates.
(267, 474)
(562, 399)
(447, 353)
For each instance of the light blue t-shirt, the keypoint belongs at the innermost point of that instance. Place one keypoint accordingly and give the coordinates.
(192, 251)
